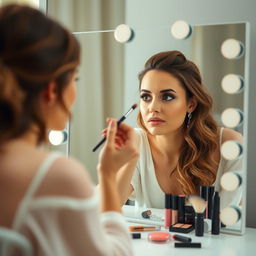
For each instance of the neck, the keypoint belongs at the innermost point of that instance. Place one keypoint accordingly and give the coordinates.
(169, 144)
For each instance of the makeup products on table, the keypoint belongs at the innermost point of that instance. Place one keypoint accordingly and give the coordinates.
(181, 209)
(216, 214)
(181, 228)
(159, 237)
(199, 206)
(187, 245)
(118, 123)
(146, 214)
(204, 195)
(210, 192)
(189, 214)
(143, 228)
(180, 238)
(167, 211)
(174, 207)
(136, 235)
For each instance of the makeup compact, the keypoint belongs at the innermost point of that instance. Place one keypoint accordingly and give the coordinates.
(159, 237)
(181, 228)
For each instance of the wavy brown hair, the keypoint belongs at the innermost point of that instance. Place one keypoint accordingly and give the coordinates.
(34, 50)
(196, 163)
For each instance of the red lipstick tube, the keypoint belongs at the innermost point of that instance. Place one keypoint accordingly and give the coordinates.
(167, 211)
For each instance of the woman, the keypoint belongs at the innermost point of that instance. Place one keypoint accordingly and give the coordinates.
(46, 196)
(180, 140)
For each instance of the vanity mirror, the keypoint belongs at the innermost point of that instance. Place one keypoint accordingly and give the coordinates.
(104, 72)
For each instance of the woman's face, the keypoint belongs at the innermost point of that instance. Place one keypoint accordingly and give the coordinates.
(163, 103)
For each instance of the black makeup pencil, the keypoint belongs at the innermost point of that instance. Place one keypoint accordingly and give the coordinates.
(199, 206)
(118, 122)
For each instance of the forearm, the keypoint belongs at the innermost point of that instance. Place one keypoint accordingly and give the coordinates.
(124, 177)
(110, 199)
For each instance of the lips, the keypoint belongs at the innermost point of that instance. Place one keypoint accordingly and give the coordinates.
(155, 120)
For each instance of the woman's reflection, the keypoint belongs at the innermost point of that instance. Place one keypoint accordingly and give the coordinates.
(179, 139)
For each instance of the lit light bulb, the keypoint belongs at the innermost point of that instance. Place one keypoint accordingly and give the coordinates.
(232, 83)
(232, 117)
(231, 149)
(58, 137)
(123, 33)
(232, 49)
(181, 29)
(230, 215)
(230, 181)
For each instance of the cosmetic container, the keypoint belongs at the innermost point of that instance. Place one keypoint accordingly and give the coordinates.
(167, 211)
(210, 192)
(174, 209)
(181, 209)
(187, 245)
(216, 214)
(180, 238)
(159, 237)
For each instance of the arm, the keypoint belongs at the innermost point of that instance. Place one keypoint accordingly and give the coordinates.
(119, 150)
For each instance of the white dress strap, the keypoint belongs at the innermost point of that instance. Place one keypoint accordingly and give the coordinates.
(42, 170)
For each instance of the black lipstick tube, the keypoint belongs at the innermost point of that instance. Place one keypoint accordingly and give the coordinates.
(199, 224)
(210, 192)
(216, 214)
(181, 209)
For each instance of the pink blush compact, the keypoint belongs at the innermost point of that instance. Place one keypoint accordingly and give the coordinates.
(159, 237)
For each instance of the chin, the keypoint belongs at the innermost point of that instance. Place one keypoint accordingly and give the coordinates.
(156, 131)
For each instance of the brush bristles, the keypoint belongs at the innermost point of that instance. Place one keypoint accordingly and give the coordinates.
(134, 106)
(198, 203)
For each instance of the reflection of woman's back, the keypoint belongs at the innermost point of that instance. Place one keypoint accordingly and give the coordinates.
(180, 140)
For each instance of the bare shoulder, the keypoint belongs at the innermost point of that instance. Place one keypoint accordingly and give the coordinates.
(67, 177)
(229, 134)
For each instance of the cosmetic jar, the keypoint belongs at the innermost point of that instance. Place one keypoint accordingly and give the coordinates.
(159, 237)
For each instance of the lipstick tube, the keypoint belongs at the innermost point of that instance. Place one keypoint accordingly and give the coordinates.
(174, 209)
(181, 209)
(210, 193)
(180, 238)
(167, 211)
(216, 214)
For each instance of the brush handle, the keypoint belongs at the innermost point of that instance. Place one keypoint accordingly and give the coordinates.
(199, 224)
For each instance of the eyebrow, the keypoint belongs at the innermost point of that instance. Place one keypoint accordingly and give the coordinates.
(162, 91)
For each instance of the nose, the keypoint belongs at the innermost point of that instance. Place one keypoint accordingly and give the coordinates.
(154, 106)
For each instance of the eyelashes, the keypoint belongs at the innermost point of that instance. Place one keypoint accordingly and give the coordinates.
(164, 97)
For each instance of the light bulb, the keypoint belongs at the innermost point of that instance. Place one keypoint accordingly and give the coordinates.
(181, 29)
(230, 181)
(58, 137)
(231, 149)
(232, 49)
(230, 215)
(232, 83)
(232, 117)
(123, 33)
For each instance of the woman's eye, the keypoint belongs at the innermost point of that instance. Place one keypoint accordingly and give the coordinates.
(145, 97)
(168, 97)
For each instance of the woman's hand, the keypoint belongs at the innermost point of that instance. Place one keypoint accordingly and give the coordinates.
(121, 146)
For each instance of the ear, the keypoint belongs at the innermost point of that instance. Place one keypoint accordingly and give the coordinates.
(50, 92)
(192, 104)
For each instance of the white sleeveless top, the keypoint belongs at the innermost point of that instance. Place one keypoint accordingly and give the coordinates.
(68, 226)
(147, 192)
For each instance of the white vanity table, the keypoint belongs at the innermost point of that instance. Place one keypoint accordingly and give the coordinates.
(223, 244)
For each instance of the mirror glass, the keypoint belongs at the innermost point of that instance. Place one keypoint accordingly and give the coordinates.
(103, 74)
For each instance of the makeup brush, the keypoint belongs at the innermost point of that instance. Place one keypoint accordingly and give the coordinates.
(118, 123)
(199, 206)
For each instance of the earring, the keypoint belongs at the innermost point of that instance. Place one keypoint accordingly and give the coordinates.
(189, 118)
